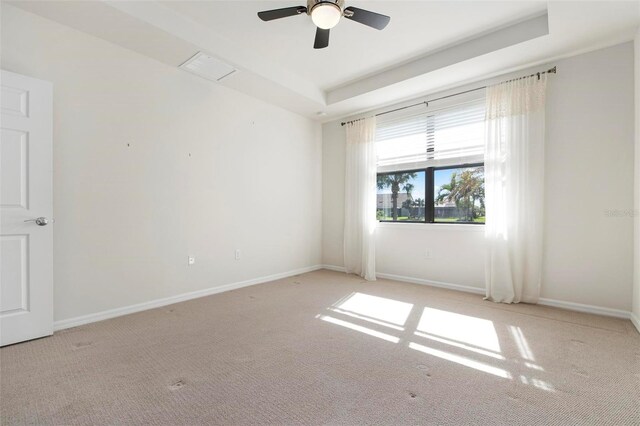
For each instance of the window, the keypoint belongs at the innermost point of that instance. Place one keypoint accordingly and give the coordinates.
(430, 164)
(453, 194)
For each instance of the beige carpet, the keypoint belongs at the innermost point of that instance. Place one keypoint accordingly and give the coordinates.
(325, 348)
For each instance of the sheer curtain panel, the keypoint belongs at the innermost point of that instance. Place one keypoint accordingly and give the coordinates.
(360, 199)
(514, 186)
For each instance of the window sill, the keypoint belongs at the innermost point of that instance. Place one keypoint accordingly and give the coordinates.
(468, 227)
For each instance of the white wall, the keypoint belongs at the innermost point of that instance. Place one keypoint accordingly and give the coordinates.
(152, 164)
(589, 157)
(636, 253)
(589, 169)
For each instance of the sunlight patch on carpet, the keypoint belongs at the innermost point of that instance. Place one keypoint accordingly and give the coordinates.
(359, 328)
(467, 362)
(465, 329)
(375, 307)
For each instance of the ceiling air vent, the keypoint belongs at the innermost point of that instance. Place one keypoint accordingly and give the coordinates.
(208, 67)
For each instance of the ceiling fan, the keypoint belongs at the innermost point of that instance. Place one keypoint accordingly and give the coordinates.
(326, 14)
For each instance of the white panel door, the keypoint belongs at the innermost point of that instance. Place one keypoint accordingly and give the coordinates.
(26, 247)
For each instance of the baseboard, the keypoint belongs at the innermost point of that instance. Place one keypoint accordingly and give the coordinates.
(112, 313)
(431, 283)
(579, 307)
(635, 321)
(590, 309)
(413, 280)
(334, 268)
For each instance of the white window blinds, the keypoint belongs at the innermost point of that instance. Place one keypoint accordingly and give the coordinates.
(424, 136)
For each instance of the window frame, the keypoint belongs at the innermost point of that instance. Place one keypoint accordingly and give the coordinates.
(429, 174)
(426, 190)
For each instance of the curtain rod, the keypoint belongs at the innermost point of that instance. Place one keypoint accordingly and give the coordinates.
(549, 71)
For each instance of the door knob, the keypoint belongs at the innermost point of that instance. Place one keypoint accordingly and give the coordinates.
(41, 221)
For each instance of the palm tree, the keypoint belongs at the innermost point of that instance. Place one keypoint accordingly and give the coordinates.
(446, 191)
(396, 182)
(470, 187)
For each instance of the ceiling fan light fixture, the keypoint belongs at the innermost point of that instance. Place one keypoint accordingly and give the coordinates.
(326, 15)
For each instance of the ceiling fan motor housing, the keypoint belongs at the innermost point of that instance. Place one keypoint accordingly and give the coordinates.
(312, 3)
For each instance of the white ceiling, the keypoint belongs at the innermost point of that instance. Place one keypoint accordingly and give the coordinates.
(418, 53)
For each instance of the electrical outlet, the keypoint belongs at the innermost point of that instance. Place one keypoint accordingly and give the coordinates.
(237, 254)
(192, 260)
(428, 254)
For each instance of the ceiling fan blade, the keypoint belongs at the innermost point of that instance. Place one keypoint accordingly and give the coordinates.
(269, 15)
(370, 19)
(322, 39)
